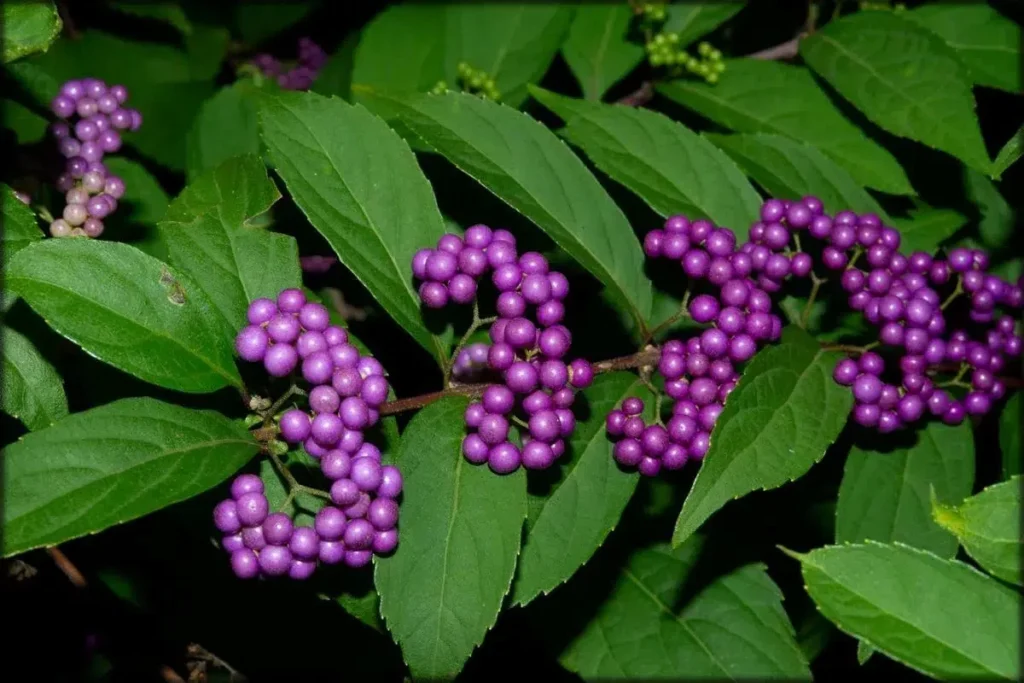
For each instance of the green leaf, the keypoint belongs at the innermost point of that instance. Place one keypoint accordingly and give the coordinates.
(691, 20)
(144, 203)
(28, 26)
(208, 236)
(206, 47)
(735, 628)
(673, 169)
(335, 78)
(570, 523)
(402, 50)
(792, 169)
(28, 126)
(1009, 154)
(528, 167)
(779, 421)
(988, 526)
(940, 617)
(169, 13)
(864, 652)
(112, 464)
(225, 127)
(257, 21)
(903, 78)
(988, 43)
(884, 495)
(927, 228)
(997, 216)
(20, 226)
(597, 50)
(129, 310)
(33, 392)
(764, 96)
(460, 530)
(360, 187)
(1009, 436)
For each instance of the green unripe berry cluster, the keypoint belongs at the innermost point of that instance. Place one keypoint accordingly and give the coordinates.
(884, 6)
(653, 13)
(663, 50)
(472, 81)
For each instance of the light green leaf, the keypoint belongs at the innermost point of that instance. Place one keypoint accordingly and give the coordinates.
(460, 531)
(208, 235)
(226, 126)
(20, 228)
(988, 526)
(597, 50)
(940, 617)
(112, 464)
(779, 421)
(28, 26)
(402, 50)
(529, 168)
(673, 169)
(884, 495)
(129, 310)
(1009, 154)
(1009, 436)
(903, 78)
(926, 229)
(987, 42)
(733, 629)
(32, 391)
(997, 216)
(864, 652)
(568, 524)
(764, 96)
(691, 20)
(792, 169)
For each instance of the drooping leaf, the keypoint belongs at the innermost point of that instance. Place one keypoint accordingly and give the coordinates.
(997, 216)
(360, 187)
(28, 26)
(208, 235)
(225, 127)
(33, 392)
(764, 96)
(1009, 436)
(1009, 153)
(988, 43)
(20, 228)
(129, 310)
(940, 617)
(113, 464)
(783, 414)
(902, 77)
(528, 167)
(884, 495)
(691, 20)
(597, 49)
(673, 169)
(459, 538)
(735, 628)
(567, 525)
(988, 526)
(792, 169)
(926, 229)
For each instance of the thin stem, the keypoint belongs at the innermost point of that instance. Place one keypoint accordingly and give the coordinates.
(294, 487)
(676, 317)
(816, 283)
(293, 390)
(955, 382)
(956, 292)
(477, 323)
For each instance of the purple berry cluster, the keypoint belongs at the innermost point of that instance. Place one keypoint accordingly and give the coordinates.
(347, 389)
(302, 74)
(471, 362)
(92, 113)
(529, 344)
(701, 372)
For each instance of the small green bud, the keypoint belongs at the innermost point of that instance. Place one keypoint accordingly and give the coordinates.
(711, 78)
(657, 59)
(673, 38)
(715, 55)
(704, 49)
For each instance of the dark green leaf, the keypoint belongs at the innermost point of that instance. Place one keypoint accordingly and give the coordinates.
(28, 26)
(167, 12)
(1009, 154)
(940, 617)
(129, 310)
(673, 169)
(360, 187)
(225, 127)
(903, 78)
(257, 21)
(733, 629)
(779, 421)
(1009, 436)
(570, 523)
(987, 42)
(28, 127)
(336, 76)
(206, 47)
(597, 50)
(763, 96)
(792, 169)
(997, 216)
(691, 20)
(529, 168)
(460, 531)
(113, 464)
(20, 228)
(884, 495)
(32, 391)
(928, 228)
(988, 526)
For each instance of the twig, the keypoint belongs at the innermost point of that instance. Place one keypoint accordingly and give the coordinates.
(786, 50)
(197, 651)
(816, 283)
(344, 310)
(640, 96)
